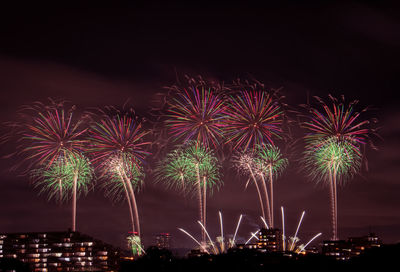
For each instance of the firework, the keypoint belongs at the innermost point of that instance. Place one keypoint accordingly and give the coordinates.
(117, 149)
(135, 244)
(205, 167)
(193, 167)
(221, 245)
(339, 121)
(57, 180)
(333, 152)
(196, 114)
(245, 164)
(174, 171)
(293, 240)
(270, 163)
(50, 135)
(48, 131)
(253, 118)
(334, 162)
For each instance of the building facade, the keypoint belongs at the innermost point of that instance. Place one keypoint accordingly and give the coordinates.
(59, 251)
(163, 240)
(354, 246)
(268, 240)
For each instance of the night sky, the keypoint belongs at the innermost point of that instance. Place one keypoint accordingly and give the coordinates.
(103, 55)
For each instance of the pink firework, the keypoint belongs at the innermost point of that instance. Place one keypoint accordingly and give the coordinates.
(196, 114)
(253, 118)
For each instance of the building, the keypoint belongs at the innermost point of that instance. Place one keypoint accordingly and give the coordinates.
(338, 249)
(163, 240)
(59, 251)
(270, 240)
(360, 244)
(354, 246)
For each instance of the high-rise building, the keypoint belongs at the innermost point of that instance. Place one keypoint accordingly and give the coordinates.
(59, 251)
(163, 240)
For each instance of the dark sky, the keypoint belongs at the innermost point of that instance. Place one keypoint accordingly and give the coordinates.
(101, 55)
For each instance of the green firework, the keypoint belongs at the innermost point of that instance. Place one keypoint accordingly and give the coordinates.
(174, 170)
(269, 163)
(57, 180)
(332, 157)
(135, 244)
(203, 163)
(270, 159)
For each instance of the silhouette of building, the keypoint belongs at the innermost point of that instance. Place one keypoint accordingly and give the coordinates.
(59, 251)
(163, 240)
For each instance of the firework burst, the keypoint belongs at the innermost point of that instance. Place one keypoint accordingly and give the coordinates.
(253, 118)
(48, 135)
(117, 149)
(191, 168)
(333, 147)
(174, 171)
(48, 131)
(196, 114)
(57, 180)
(339, 121)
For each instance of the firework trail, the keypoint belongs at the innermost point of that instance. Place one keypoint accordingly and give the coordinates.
(236, 230)
(270, 163)
(295, 239)
(334, 140)
(48, 135)
(253, 118)
(196, 113)
(118, 151)
(245, 163)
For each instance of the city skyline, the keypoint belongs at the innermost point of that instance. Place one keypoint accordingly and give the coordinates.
(115, 55)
